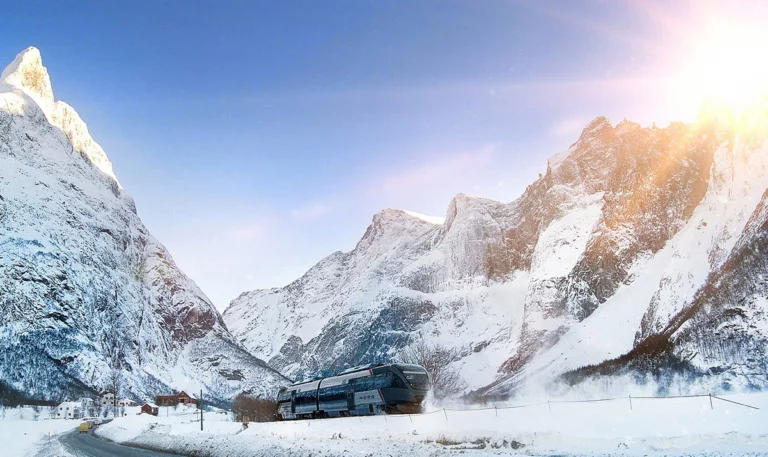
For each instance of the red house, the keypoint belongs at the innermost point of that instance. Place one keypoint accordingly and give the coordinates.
(175, 399)
(149, 408)
(186, 398)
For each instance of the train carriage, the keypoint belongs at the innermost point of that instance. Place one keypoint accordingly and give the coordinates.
(372, 389)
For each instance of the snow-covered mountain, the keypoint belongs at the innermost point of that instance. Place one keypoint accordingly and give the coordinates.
(637, 242)
(85, 288)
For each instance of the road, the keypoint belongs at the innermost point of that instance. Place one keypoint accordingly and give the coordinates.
(87, 445)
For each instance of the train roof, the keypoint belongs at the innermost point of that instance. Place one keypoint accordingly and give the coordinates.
(305, 385)
(347, 371)
(361, 368)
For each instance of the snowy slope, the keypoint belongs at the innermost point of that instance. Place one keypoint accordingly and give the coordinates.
(597, 258)
(85, 287)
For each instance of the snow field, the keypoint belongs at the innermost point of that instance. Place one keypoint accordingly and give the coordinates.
(680, 426)
(23, 438)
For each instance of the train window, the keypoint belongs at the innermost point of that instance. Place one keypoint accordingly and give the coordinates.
(379, 381)
(418, 380)
(409, 367)
(305, 398)
(333, 393)
(398, 383)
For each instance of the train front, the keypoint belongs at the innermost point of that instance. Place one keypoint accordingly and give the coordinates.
(418, 386)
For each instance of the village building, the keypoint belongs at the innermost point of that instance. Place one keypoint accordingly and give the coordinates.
(149, 408)
(108, 399)
(69, 410)
(126, 402)
(180, 398)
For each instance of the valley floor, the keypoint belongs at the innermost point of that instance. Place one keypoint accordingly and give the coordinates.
(669, 427)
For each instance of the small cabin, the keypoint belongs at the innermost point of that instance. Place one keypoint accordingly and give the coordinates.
(180, 398)
(149, 408)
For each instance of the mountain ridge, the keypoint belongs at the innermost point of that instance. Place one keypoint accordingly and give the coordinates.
(507, 284)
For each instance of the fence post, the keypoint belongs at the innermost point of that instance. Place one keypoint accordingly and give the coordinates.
(710, 402)
(549, 405)
(446, 414)
(409, 417)
(496, 410)
(630, 402)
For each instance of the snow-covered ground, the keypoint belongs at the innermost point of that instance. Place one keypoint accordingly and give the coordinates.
(670, 427)
(22, 436)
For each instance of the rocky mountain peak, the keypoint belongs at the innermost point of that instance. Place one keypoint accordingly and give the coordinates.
(85, 287)
(391, 223)
(596, 125)
(388, 214)
(457, 206)
(28, 74)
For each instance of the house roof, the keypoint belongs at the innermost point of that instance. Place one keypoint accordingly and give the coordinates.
(177, 395)
(151, 405)
(70, 403)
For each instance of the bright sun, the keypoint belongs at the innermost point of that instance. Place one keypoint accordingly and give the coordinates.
(728, 67)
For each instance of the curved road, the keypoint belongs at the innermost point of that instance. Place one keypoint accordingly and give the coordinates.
(87, 445)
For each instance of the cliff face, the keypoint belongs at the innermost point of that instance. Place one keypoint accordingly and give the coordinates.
(621, 238)
(86, 289)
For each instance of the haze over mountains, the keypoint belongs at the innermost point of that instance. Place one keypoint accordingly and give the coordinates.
(86, 289)
(640, 252)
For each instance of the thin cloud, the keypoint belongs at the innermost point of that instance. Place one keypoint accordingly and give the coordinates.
(246, 232)
(311, 212)
(570, 127)
(439, 169)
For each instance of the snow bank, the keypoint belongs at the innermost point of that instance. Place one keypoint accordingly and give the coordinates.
(676, 427)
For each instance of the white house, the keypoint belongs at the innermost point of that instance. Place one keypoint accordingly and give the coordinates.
(108, 399)
(126, 402)
(69, 410)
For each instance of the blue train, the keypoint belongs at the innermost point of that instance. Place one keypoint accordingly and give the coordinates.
(371, 389)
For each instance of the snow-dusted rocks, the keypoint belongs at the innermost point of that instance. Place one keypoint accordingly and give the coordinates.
(616, 254)
(84, 286)
(28, 74)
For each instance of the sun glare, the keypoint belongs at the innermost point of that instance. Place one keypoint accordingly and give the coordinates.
(727, 68)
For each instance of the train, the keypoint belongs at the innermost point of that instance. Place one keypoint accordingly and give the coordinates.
(365, 390)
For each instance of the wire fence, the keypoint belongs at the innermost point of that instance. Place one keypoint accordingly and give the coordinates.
(549, 403)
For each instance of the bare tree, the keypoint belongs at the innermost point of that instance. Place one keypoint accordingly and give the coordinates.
(115, 384)
(435, 358)
(254, 408)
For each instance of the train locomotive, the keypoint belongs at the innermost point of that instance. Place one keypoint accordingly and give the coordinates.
(372, 389)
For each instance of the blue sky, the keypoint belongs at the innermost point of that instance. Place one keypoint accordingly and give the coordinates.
(258, 137)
